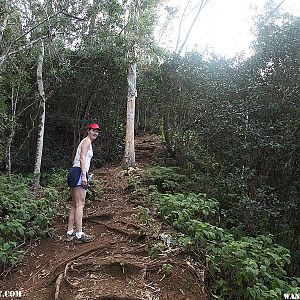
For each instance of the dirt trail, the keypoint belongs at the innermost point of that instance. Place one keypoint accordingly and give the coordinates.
(116, 266)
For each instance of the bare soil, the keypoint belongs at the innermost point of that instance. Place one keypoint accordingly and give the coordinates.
(117, 265)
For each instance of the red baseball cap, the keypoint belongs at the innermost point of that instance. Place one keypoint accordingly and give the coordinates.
(93, 126)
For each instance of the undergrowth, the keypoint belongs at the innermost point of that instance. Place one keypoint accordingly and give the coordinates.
(240, 266)
(24, 216)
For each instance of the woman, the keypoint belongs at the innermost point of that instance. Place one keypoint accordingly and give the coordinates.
(78, 182)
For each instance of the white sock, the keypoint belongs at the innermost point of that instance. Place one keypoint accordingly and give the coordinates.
(70, 232)
(79, 234)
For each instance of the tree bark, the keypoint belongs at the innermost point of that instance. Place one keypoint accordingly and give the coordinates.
(40, 139)
(14, 99)
(93, 19)
(166, 129)
(4, 20)
(129, 156)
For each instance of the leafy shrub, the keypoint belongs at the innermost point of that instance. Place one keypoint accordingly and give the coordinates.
(180, 206)
(167, 269)
(23, 216)
(156, 250)
(167, 179)
(241, 267)
(248, 268)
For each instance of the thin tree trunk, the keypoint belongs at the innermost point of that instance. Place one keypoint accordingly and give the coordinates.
(2, 29)
(93, 20)
(4, 21)
(145, 120)
(129, 156)
(14, 99)
(166, 129)
(137, 122)
(40, 140)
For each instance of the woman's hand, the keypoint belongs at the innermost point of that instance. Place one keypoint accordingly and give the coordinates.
(84, 181)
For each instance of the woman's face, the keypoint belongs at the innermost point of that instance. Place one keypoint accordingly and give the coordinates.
(93, 134)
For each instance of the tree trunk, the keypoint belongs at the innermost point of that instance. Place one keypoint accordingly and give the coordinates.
(166, 129)
(4, 8)
(145, 120)
(3, 24)
(40, 139)
(91, 28)
(129, 156)
(14, 99)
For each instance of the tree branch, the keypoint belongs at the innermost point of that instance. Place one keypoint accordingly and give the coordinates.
(73, 17)
(31, 29)
(202, 5)
(274, 10)
(180, 24)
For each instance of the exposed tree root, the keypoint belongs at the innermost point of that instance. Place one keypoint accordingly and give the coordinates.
(98, 266)
(137, 227)
(78, 255)
(31, 277)
(57, 285)
(65, 274)
(123, 232)
(130, 211)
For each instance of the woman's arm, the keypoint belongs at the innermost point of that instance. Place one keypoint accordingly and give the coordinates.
(84, 149)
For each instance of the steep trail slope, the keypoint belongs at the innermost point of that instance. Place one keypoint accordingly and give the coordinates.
(116, 266)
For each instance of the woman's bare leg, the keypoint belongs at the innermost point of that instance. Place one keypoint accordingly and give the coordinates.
(79, 196)
(71, 220)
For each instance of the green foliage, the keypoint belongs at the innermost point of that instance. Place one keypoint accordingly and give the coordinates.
(55, 185)
(235, 125)
(156, 250)
(8, 253)
(241, 267)
(183, 240)
(23, 216)
(180, 206)
(143, 215)
(167, 269)
(95, 189)
(167, 179)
